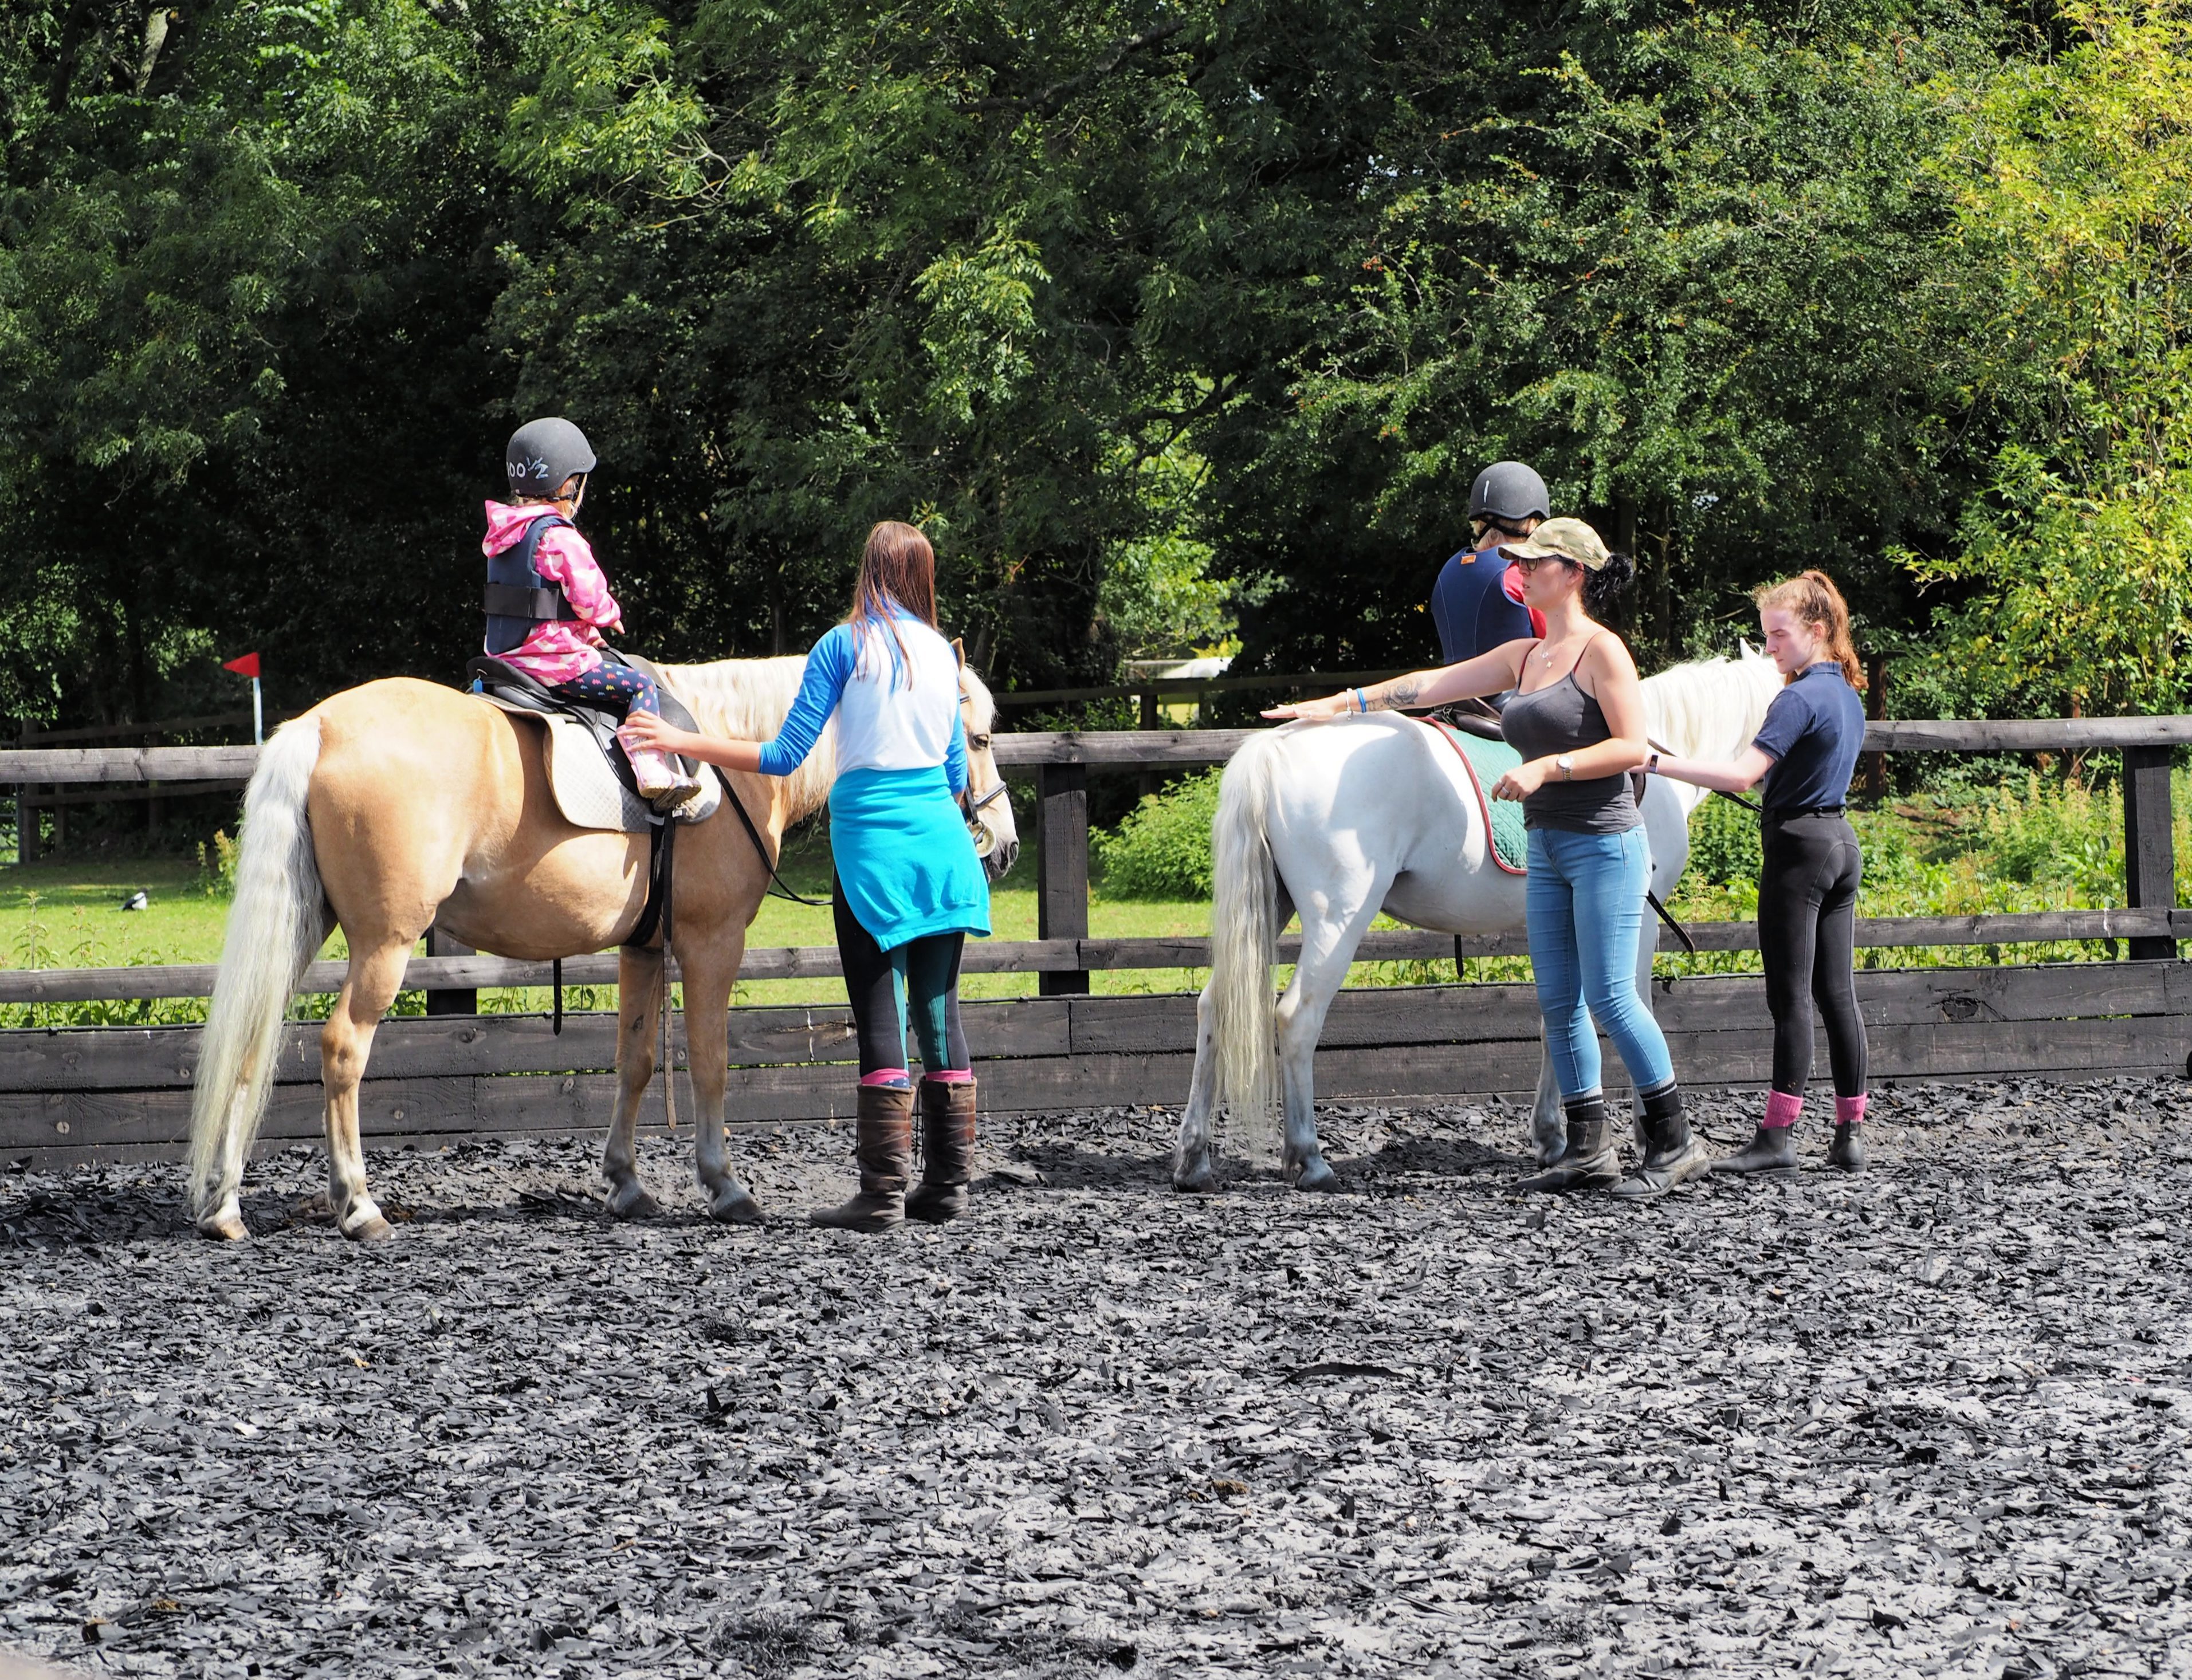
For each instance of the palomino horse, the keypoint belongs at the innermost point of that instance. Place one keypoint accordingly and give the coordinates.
(1345, 819)
(401, 804)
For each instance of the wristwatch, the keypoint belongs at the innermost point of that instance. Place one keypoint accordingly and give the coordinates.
(1567, 763)
(1652, 765)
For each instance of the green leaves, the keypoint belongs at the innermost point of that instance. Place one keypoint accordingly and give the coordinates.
(2074, 177)
(981, 328)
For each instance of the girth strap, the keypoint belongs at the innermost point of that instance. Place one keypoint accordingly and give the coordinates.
(661, 879)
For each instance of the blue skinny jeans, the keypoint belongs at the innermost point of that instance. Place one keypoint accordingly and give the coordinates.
(1585, 900)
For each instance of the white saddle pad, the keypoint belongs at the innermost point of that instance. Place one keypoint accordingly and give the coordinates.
(587, 791)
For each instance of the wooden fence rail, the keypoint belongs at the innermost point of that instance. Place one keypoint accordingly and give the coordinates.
(74, 1094)
(1064, 954)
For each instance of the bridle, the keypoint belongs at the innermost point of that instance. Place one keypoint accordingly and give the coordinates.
(984, 842)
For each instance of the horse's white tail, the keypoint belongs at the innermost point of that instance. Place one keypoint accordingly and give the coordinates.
(1244, 934)
(274, 928)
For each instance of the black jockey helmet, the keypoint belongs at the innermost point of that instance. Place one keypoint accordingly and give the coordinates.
(1509, 491)
(542, 454)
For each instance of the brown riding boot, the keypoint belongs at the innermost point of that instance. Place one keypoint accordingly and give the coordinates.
(885, 1153)
(947, 1151)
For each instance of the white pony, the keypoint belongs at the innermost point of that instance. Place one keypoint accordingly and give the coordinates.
(1342, 820)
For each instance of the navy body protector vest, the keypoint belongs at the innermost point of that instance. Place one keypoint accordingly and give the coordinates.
(517, 596)
(1471, 608)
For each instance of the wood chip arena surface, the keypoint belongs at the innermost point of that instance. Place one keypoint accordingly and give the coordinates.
(1930, 1420)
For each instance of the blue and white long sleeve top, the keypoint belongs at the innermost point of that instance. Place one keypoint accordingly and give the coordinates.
(884, 723)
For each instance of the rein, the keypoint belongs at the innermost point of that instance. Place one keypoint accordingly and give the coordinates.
(777, 885)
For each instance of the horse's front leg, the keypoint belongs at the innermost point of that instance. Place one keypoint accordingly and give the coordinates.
(710, 969)
(1330, 935)
(1549, 1122)
(639, 999)
(1192, 1168)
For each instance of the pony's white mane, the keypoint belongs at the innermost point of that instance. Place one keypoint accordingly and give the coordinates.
(748, 699)
(1709, 709)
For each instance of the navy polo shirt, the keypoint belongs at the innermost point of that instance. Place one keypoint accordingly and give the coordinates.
(1471, 608)
(1813, 733)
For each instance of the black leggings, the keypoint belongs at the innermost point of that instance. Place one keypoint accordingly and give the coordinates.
(920, 978)
(1807, 934)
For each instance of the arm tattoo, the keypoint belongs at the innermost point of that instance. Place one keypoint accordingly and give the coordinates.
(1395, 696)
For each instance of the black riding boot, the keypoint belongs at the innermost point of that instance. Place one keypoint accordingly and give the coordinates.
(1773, 1149)
(1591, 1162)
(885, 1153)
(1670, 1153)
(1847, 1151)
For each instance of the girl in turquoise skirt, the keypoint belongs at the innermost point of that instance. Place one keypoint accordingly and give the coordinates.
(909, 887)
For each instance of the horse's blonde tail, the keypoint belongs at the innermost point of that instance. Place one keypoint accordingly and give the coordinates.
(274, 928)
(1244, 934)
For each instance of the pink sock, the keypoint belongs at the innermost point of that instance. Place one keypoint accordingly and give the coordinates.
(951, 1076)
(1782, 1109)
(888, 1076)
(1849, 1111)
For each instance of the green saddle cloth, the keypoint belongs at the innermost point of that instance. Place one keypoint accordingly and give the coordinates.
(1492, 760)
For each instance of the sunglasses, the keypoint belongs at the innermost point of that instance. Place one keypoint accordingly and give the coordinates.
(1530, 565)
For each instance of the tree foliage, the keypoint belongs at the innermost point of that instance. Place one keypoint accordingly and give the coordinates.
(1170, 319)
(2075, 178)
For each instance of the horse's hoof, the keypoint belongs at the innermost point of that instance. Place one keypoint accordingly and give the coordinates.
(372, 1229)
(634, 1202)
(740, 1209)
(1316, 1174)
(1198, 1183)
(223, 1227)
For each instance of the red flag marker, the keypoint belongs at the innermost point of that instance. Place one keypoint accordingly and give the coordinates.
(249, 666)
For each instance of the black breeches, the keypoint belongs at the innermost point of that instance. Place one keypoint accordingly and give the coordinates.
(919, 979)
(1808, 935)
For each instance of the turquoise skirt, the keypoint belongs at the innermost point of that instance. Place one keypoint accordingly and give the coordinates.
(905, 863)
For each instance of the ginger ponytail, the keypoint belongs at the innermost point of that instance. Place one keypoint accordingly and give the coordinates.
(1813, 598)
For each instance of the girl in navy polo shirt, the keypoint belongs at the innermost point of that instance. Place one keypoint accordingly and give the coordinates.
(1806, 752)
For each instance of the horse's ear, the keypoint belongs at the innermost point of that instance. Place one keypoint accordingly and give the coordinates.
(959, 652)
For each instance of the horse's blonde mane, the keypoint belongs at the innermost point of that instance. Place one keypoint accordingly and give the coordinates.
(1709, 709)
(748, 699)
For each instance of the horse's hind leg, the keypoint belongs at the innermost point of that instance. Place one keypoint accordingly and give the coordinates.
(375, 976)
(1192, 1168)
(1328, 945)
(640, 986)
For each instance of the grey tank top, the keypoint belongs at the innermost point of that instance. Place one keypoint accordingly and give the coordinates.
(1560, 718)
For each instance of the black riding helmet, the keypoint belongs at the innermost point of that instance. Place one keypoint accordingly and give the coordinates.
(1509, 491)
(542, 453)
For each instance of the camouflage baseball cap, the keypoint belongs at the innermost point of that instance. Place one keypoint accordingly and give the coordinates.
(1569, 539)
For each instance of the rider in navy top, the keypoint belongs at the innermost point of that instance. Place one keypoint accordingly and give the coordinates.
(1476, 604)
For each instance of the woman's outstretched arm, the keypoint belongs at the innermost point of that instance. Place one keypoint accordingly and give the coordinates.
(643, 730)
(1737, 775)
(1493, 673)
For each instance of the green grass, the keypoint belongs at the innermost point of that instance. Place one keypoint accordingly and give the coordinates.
(2014, 846)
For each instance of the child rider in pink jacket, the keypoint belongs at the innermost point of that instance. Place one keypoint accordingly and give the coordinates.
(538, 564)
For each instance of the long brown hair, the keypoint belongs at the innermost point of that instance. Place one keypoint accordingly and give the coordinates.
(1813, 598)
(898, 567)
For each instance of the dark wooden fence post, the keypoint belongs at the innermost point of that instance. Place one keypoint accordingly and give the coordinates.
(456, 1000)
(1875, 707)
(2149, 844)
(1062, 882)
